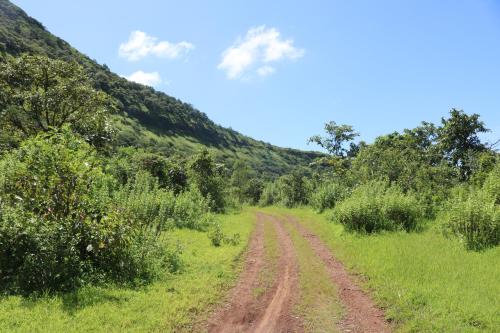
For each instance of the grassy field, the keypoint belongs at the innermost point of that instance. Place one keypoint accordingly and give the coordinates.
(168, 305)
(427, 283)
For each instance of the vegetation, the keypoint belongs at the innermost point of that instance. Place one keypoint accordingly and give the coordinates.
(171, 304)
(424, 281)
(118, 199)
(475, 216)
(69, 215)
(374, 206)
(403, 179)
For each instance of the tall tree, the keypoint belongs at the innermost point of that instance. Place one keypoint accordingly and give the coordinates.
(336, 139)
(459, 141)
(38, 94)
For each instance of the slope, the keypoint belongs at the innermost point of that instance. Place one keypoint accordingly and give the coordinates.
(148, 118)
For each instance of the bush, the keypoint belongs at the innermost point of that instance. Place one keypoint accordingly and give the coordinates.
(141, 201)
(60, 226)
(207, 177)
(475, 220)
(192, 210)
(217, 236)
(327, 195)
(474, 214)
(374, 207)
(491, 185)
(269, 195)
(292, 190)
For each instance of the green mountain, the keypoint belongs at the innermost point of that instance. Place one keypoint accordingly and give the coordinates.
(148, 118)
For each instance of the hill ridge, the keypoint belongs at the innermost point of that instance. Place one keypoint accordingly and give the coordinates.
(148, 118)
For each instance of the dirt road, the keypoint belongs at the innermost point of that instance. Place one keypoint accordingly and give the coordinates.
(254, 306)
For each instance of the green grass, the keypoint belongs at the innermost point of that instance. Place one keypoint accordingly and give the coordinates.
(426, 282)
(172, 304)
(318, 305)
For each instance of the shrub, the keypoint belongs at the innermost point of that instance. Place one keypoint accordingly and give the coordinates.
(491, 185)
(192, 210)
(292, 190)
(269, 195)
(374, 207)
(217, 236)
(141, 201)
(206, 176)
(327, 195)
(474, 215)
(475, 221)
(58, 226)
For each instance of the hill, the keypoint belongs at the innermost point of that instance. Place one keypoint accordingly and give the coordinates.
(148, 118)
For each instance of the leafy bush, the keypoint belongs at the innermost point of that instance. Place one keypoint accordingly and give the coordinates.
(141, 201)
(327, 195)
(58, 228)
(217, 236)
(269, 195)
(206, 176)
(491, 185)
(127, 162)
(474, 214)
(475, 220)
(293, 189)
(374, 207)
(192, 210)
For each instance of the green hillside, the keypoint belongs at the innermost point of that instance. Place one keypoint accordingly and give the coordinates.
(148, 118)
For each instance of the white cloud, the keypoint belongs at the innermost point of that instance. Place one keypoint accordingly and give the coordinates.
(265, 70)
(149, 79)
(261, 45)
(140, 45)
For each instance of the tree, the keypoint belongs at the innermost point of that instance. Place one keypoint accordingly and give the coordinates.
(38, 94)
(459, 141)
(338, 136)
(293, 189)
(240, 182)
(205, 175)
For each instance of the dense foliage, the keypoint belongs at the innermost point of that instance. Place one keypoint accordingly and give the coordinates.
(430, 171)
(60, 225)
(76, 208)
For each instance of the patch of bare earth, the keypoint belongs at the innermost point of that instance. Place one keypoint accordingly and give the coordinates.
(362, 315)
(271, 310)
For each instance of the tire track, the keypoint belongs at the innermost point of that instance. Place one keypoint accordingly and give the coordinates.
(270, 312)
(362, 315)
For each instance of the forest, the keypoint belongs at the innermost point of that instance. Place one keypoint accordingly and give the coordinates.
(113, 219)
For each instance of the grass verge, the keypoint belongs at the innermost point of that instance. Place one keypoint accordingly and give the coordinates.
(172, 304)
(426, 282)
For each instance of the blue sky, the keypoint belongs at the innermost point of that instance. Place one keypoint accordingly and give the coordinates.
(278, 70)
